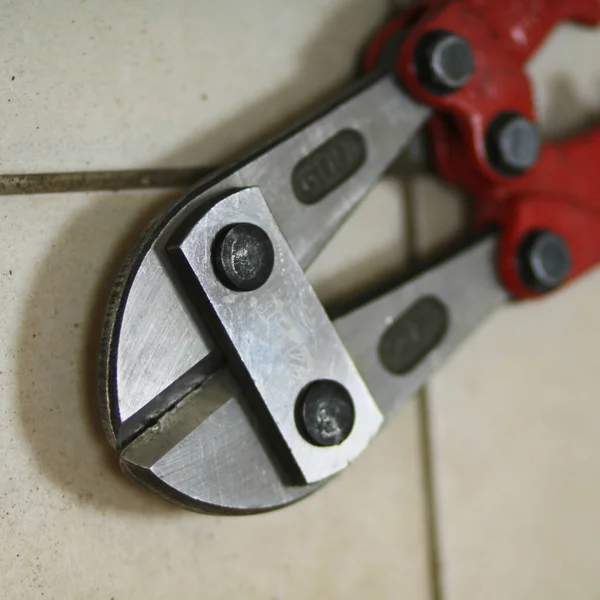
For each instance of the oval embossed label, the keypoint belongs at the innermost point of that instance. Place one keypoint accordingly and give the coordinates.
(327, 167)
(417, 332)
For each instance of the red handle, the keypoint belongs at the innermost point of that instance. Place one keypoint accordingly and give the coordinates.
(562, 192)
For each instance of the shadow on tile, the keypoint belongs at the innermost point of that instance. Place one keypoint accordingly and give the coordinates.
(320, 61)
(57, 350)
(57, 353)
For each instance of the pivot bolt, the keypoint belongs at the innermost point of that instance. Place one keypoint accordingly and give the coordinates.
(513, 144)
(243, 257)
(545, 261)
(325, 413)
(445, 62)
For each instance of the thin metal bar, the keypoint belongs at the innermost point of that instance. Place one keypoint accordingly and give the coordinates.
(92, 181)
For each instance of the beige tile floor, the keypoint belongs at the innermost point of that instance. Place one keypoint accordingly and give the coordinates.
(514, 415)
(511, 420)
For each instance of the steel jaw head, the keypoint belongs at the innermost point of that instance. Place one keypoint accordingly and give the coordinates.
(275, 408)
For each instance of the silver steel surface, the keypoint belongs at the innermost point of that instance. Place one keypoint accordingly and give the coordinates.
(415, 158)
(281, 335)
(466, 284)
(206, 454)
(153, 339)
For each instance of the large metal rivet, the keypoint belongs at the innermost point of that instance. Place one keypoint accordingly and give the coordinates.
(243, 257)
(445, 62)
(325, 413)
(513, 143)
(545, 260)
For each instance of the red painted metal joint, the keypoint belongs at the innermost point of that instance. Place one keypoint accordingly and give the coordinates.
(562, 191)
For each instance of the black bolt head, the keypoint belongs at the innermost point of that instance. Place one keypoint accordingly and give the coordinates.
(444, 61)
(545, 261)
(243, 257)
(513, 144)
(325, 413)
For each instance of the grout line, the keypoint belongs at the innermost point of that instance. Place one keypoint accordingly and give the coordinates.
(93, 181)
(426, 437)
(431, 507)
(411, 227)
